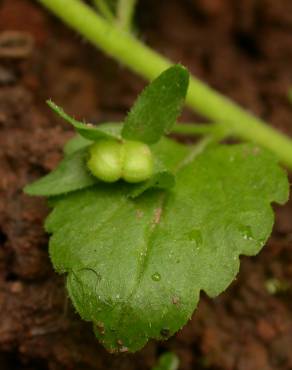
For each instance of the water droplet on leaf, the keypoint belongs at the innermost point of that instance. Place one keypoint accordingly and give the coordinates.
(246, 232)
(156, 276)
(196, 236)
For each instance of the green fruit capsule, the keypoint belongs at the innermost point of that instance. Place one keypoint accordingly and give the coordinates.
(105, 161)
(111, 160)
(137, 162)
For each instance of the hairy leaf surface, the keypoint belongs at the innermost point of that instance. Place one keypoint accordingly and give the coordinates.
(135, 268)
(157, 108)
(88, 130)
(71, 174)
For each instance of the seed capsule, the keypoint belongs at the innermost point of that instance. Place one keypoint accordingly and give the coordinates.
(137, 162)
(111, 160)
(105, 160)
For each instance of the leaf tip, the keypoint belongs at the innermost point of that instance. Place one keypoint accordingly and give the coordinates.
(51, 104)
(29, 189)
(182, 72)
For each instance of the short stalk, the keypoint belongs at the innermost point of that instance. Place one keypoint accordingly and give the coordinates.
(148, 63)
(104, 10)
(125, 13)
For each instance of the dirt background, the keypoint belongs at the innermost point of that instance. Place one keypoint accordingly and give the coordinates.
(244, 49)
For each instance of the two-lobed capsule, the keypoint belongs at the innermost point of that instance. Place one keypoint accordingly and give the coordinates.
(112, 160)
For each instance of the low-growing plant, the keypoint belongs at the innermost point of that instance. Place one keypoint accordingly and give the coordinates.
(141, 223)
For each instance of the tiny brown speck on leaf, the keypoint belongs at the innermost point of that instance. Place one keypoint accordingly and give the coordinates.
(139, 213)
(175, 300)
(100, 327)
(157, 215)
(256, 150)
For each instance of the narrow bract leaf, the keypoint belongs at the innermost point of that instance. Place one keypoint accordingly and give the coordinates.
(88, 130)
(135, 268)
(157, 108)
(70, 175)
(76, 143)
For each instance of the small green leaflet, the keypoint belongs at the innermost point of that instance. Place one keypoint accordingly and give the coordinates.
(72, 174)
(88, 130)
(135, 267)
(157, 108)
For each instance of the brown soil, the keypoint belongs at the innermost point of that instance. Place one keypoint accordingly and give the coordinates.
(244, 49)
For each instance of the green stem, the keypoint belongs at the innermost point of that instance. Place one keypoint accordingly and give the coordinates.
(195, 129)
(147, 63)
(125, 11)
(104, 9)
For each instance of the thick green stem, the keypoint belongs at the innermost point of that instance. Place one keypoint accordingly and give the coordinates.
(125, 11)
(147, 63)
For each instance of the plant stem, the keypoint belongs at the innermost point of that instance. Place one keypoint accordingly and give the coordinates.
(104, 9)
(147, 63)
(125, 11)
(195, 129)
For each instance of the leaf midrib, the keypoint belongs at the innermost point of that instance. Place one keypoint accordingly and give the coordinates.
(197, 149)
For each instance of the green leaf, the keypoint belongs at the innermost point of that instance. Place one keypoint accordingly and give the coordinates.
(88, 130)
(135, 268)
(76, 143)
(157, 108)
(161, 179)
(70, 175)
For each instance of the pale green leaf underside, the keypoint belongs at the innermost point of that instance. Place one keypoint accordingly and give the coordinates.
(72, 174)
(135, 268)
